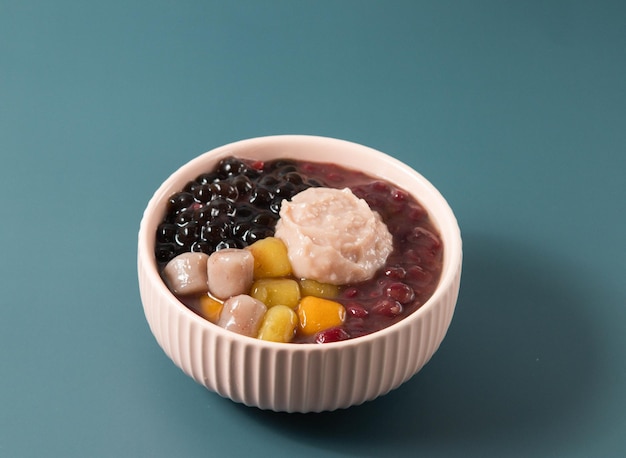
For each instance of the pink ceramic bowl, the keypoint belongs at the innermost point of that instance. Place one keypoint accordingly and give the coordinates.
(293, 377)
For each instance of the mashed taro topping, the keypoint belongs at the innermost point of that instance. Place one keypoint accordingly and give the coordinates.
(332, 236)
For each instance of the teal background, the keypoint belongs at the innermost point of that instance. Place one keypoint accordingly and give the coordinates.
(516, 111)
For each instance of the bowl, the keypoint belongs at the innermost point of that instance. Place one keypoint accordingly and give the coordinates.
(295, 377)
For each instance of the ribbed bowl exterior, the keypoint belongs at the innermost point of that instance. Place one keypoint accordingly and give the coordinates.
(297, 377)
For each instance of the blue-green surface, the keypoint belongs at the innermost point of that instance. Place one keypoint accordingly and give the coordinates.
(516, 111)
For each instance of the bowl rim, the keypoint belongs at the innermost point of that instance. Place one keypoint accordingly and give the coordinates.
(147, 262)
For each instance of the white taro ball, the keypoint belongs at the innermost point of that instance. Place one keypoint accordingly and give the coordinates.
(230, 272)
(242, 314)
(187, 273)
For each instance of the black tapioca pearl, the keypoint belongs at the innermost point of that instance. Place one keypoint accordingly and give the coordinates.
(268, 181)
(275, 205)
(260, 197)
(229, 167)
(186, 235)
(243, 184)
(202, 215)
(256, 233)
(191, 186)
(207, 178)
(184, 217)
(285, 190)
(203, 193)
(201, 246)
(240, 229)
(221, 207)
(245, 211)
(165, 252)
(224, 189)
(265, 218)
(293, 177)
(180, 201)
(213, 232)
(166, 232)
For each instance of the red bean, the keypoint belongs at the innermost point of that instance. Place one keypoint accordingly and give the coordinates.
(396, 272)
(332, 335)
(387, 307)
(401, 292)
(356, 310)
